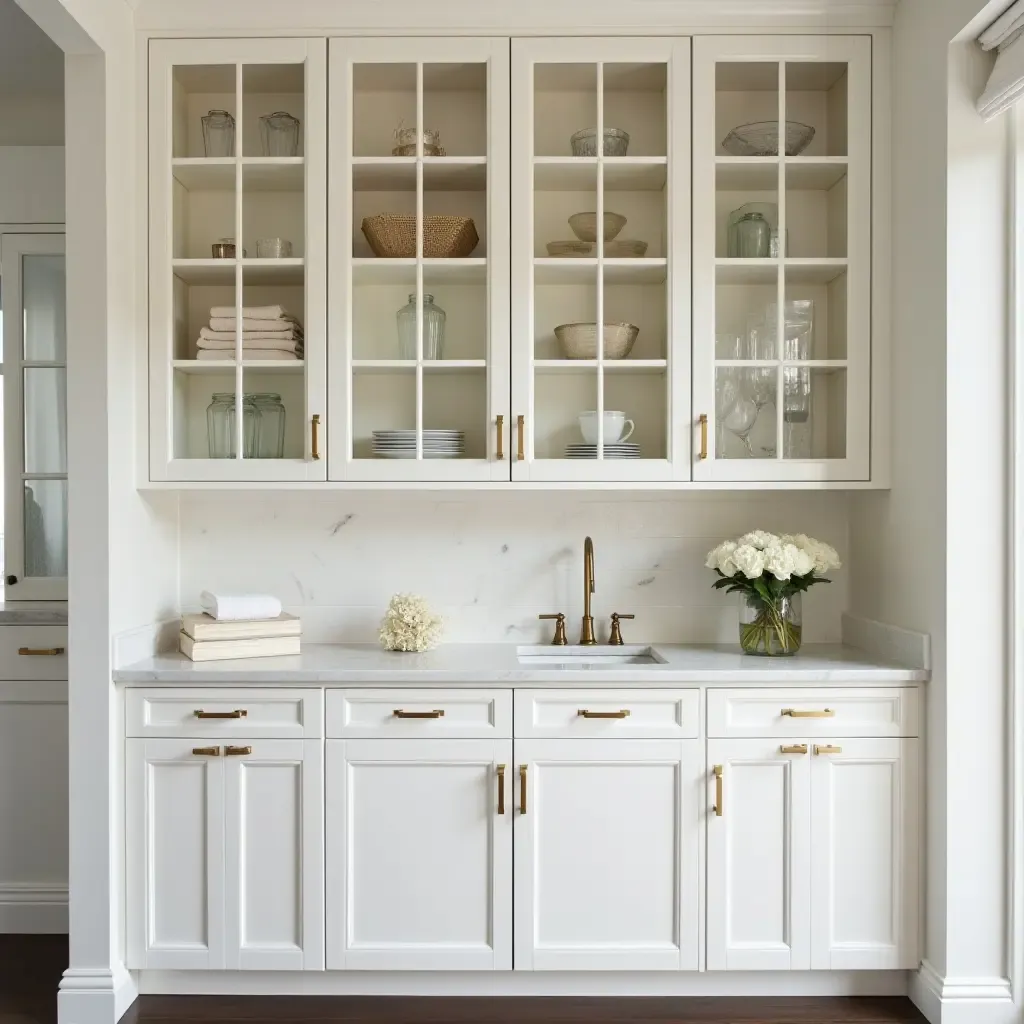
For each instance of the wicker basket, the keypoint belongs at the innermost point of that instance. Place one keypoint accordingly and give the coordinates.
(393, 236)
(579, 341)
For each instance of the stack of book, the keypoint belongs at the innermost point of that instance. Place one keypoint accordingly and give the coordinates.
(204, 638)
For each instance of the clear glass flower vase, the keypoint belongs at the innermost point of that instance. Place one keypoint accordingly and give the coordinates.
(770, 628)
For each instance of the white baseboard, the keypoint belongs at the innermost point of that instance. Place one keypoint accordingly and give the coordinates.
(93, 995)
(962, 1000)
(904, 646)
(33, 909)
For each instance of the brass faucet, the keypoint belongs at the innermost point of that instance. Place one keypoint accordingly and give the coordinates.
(587, 638)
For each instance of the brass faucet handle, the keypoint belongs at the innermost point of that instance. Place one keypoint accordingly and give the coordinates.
(560, 639)
(616, 635)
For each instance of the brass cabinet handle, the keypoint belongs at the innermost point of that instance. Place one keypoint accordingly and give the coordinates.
(584, 713)
(237, 713)
(315, 445)
(40, 652)
(793, 713)
(719, 791)
(522, 789)
(501, 789)
(236, 751)
(206, 751)
(436, 713)
(826, 749)
(703, 419)
(501, 437)
(521, 428)
(798, 748)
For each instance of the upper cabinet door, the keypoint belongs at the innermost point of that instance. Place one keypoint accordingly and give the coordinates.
(601, 236)
(238, 240)
(419, 243)
(782, 258)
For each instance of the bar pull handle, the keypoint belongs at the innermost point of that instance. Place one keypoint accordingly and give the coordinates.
(236, 751)
(521, 429)
(703, 420)
(826, 749)
(501, 438)
(793, 713)
(501, 789)
(719, 791)
(436, 713)
(315, 442)
(584, 713)
(237, 713)
(40, 652)
(206, 751)
(797, 748)
(522, 789)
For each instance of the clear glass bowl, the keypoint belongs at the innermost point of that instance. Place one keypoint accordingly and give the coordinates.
(584, 143)
(761, 138)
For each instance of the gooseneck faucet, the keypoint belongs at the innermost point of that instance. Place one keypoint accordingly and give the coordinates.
(587, 638)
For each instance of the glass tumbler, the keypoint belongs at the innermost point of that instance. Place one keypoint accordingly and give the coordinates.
(271, 421)
(280, 134)
(434, 318)
(219, 133)
(273, 248)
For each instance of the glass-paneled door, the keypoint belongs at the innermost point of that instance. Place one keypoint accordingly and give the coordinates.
(419, 229)
(35, 417)
(782, 258)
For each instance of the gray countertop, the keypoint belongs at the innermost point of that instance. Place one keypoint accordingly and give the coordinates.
(33, 613)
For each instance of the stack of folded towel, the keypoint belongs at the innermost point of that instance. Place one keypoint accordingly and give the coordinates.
(268, 332)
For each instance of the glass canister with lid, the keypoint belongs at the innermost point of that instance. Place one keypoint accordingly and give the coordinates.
(434, 318)
(220, 426)
(218, 133)
(280, 134)
(271, 425)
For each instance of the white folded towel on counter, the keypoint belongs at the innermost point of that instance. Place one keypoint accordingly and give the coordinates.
(252, 312)
(227, 323)
(254, 339)
(240, 606)
(249, 354)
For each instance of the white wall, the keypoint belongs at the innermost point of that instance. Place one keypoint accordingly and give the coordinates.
(31, 120)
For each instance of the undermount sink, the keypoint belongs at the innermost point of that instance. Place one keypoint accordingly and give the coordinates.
(601, 657)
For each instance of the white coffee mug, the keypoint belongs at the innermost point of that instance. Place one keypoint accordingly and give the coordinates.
(614, 424)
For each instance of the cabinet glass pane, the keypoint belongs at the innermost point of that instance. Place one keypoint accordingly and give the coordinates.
(46, 528)
(561, 397)
(746, 400)
(816, 210)
(817, 97)
(43, 290)
(45, 420)
(204, 91)
(635, 103)
(747, 94)
(383, 102)
(273, 211)
(204, 228)
(814, 413)
(273, 106)
(384, 402)
(455, 109)
(565, 102)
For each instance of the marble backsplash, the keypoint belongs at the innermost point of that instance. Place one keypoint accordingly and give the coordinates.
(491, 562)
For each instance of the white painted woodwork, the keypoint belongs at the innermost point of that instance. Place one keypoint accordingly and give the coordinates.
(849, 712)
(17, 660)
(652, 714)
(865, 814)
(466, 714)
(267, 713)
(606, 854)
(419, 861)
(274, 856)
(759, 858)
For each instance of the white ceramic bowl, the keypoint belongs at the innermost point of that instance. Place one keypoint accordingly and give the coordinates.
(579, 341)
(584, 225)
(616, 426)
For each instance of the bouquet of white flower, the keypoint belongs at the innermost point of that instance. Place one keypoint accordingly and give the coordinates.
(771, 571)
(410, 625)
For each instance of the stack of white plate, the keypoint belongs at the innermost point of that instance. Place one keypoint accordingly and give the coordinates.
(401, 444)
(619, 450)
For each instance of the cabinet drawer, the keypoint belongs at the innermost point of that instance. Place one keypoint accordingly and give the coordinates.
(471, 714)
(33, 652)
(892, 711)
(256, 714)
(633, 714)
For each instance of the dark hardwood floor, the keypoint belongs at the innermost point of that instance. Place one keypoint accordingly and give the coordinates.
(31, 966)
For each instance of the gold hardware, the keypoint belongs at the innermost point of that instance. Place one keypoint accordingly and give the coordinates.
(521, 427)
(237, 713)
(616, 636)
(316, 437)
(798, 748)
(236, 751)
(584, 713)
(522, 789)
(501, 789)
(827, 749)
(501, 431)
(703, 436)
(719, 794)
(206, 751)
(793, 713)
(40, 652)
(436, 713)
(560, 639)
(587, 638)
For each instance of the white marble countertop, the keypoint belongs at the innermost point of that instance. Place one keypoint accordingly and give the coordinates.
(497, 665)
(33, 613)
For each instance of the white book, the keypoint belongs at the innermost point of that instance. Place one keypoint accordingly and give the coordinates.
(201, 626)
(223, 650)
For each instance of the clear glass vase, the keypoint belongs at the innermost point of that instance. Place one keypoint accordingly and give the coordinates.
(770, 628)
(433, 329)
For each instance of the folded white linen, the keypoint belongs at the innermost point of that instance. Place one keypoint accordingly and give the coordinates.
(240, 606)
(253, 312)
(227, 323)
(229, 336)
(248, 354)
(252, 341)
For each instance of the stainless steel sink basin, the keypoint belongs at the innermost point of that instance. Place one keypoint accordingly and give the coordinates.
(588, 658)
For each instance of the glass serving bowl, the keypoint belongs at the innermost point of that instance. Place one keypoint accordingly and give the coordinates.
(761, 138)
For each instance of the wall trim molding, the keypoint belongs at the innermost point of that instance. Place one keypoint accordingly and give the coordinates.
(33, 908)
(144, 641)
(95, 995)
(904, 646)
(962, 1000)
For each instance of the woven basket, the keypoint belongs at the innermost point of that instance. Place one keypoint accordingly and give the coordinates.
(393, 236)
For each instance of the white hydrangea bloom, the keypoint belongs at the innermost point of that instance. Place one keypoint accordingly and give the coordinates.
(749, 560)
(410, 625)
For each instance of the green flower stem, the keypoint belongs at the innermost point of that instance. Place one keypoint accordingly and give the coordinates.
(770, 633)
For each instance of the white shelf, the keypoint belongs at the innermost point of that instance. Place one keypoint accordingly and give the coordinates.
(375, 270)
(638, 366)
(204, 272)
(259, 174)
(567, 270)
(579, 173)
(815, 172)
(273, 272)
(814, 271)
(440, 174)
(737, 271)
(211, 367)
(206, 174)
(747, 173)
(406, 366)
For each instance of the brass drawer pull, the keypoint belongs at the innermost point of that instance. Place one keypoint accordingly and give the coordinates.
(315, 440)
(501, 439)
(237, 713)
(522, 789)
(827, 750)
(436, 713)
(501, 789)
(793, 713)
(584, 713)
(206, 751)
(798, 748)
(703, 436)
(236, 751)
(40, 652)
(719, 791)
(521, 428)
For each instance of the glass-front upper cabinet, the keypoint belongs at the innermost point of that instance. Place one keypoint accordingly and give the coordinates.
(600, 248)
(35, 528)
(238, 260)
(782, 258)
(419, 274)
